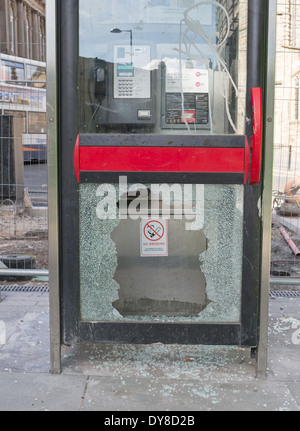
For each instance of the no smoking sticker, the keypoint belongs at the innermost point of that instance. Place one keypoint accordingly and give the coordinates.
(154, 237)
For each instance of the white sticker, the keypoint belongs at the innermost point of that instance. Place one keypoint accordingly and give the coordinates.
(154, 237)
(188, 81)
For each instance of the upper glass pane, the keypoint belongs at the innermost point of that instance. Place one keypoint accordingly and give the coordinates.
(162, 66)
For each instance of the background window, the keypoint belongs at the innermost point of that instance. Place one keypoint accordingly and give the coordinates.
(37, 122)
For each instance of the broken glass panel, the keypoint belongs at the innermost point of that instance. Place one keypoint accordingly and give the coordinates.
(161, 252)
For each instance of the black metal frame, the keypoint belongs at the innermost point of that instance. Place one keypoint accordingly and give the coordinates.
(72, 329)
(167, 333)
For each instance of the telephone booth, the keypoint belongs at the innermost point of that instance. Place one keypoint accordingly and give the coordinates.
(156, 172)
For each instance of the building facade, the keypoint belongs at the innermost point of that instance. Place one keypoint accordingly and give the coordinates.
(22, 28)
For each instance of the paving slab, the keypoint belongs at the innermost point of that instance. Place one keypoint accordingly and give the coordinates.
(161, 394)
(284, 339)
(147, 378)
(40, 392)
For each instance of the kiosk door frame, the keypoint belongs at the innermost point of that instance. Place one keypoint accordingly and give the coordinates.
(65, 323)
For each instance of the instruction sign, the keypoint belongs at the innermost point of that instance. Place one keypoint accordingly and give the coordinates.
(154, 237)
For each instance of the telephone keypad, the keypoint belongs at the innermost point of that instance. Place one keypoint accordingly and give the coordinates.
(125, 88)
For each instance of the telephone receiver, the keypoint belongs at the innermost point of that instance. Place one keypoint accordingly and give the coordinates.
(99, 76)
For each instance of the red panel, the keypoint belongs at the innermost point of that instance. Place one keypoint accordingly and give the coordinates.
(161, 159)
(257, 136)
(76, 158)
(247, 160)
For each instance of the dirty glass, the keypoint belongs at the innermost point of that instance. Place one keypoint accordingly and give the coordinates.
(170, 252)
(162, 66)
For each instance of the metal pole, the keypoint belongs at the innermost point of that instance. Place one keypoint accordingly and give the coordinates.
(285, 281)
(261, 360)
(67, 45)
(25, 272)
(52, 162)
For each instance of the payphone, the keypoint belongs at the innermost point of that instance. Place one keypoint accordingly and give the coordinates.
(163, 95)
(124, 88)
(126, 91)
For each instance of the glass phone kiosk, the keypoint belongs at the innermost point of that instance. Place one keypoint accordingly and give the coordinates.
(160, 144)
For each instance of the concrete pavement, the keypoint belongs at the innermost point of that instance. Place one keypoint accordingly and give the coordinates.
(152, 378)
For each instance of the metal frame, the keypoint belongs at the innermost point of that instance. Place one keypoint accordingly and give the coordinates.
(67, 55)
(63, 220)
(262, 358)
(167, 333)
(53, 219)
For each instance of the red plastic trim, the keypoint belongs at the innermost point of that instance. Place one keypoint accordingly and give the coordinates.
(257, 136)
(76, 158)
(161, 159)
(247, 159)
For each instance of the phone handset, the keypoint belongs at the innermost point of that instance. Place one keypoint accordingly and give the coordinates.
(99, 73)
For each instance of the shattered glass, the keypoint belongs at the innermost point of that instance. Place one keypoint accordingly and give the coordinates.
(199, 280)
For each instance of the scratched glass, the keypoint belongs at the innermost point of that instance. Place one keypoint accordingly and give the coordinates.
(162, 66)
